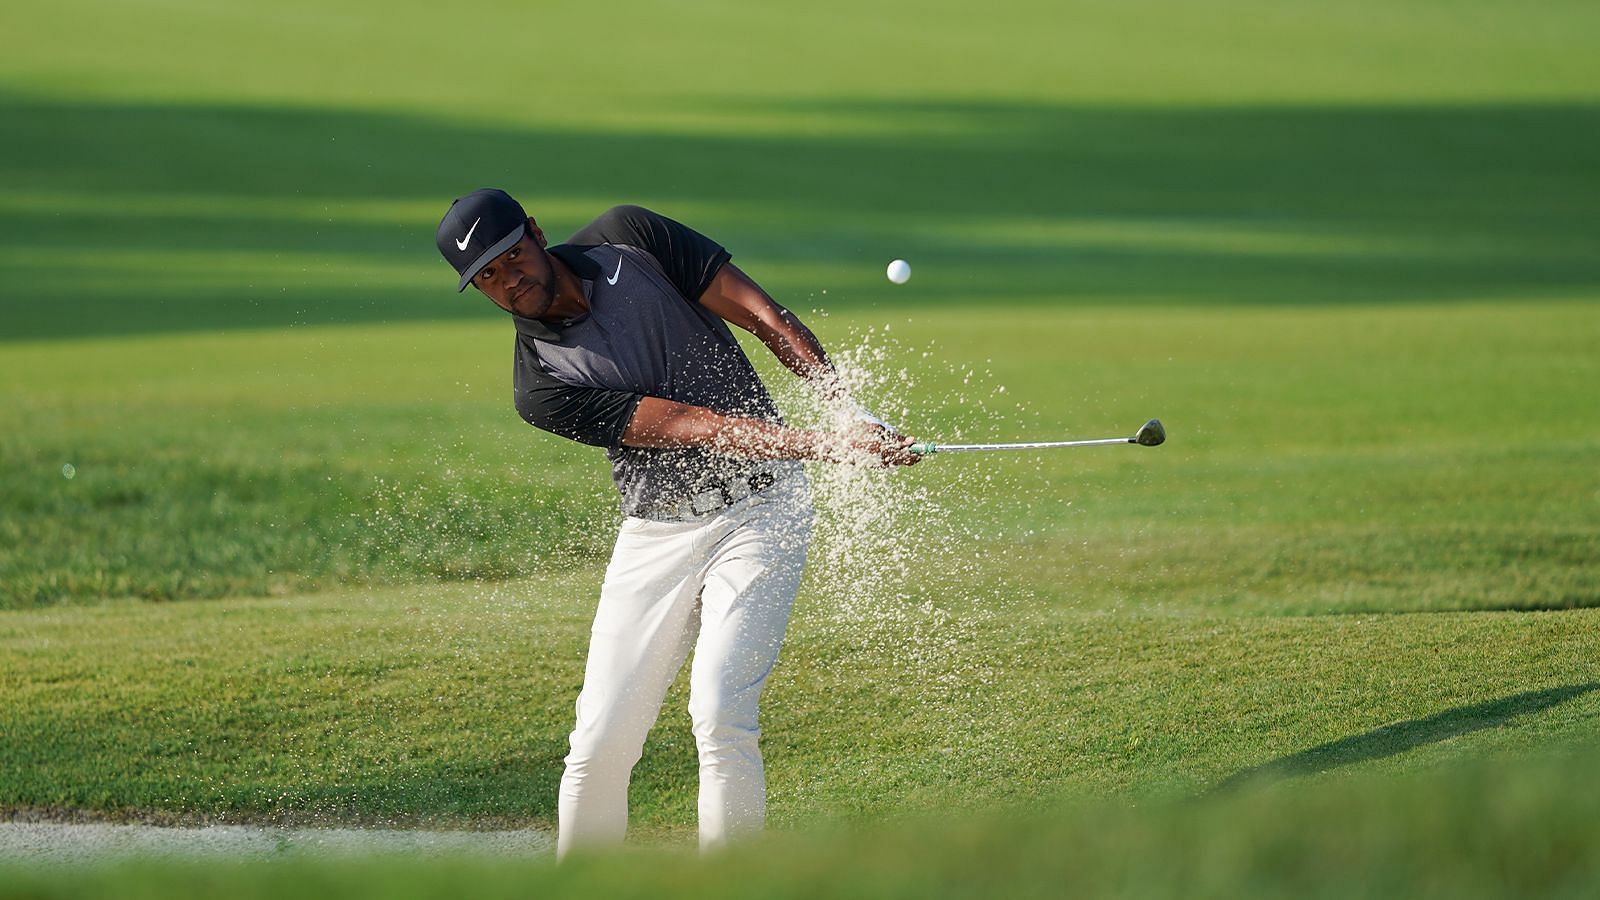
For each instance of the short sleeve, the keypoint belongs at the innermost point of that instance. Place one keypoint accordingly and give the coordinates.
(690, 259)
(589, 415)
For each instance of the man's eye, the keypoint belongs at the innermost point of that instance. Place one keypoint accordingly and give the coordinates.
(516, 252)
(486, 274)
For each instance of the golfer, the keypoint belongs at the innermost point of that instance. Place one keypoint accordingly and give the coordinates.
(623, 342)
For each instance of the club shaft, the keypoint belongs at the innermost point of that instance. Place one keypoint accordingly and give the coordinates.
(1038, 445)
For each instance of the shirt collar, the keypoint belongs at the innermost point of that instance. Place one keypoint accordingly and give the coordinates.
(577, 259)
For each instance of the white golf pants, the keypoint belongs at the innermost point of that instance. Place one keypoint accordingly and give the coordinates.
(724, 585)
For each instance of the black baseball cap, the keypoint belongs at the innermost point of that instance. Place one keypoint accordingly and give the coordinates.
(479, 227)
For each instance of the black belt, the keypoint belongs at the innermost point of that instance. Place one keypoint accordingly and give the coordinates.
(720, 496)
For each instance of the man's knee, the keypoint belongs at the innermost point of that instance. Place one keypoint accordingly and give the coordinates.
(604, 749)
(722, 727)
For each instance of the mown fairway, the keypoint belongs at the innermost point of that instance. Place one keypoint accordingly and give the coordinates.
(1349, 256)
(1497, 827)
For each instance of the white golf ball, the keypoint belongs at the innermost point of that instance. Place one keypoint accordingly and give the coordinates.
(899, 271)
(68, 470)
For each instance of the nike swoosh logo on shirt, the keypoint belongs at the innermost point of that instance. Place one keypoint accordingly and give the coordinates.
(462, 244)
(617, 274)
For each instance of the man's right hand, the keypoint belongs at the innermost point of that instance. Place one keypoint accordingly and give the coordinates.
(890, 448)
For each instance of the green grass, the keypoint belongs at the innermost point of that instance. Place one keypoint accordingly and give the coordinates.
(1328, 460)
(1510, 826)
(1346, 253)
(660, 61)
(448, 705)
(1025, 202)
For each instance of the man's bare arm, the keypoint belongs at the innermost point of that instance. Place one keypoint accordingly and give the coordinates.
(663, 423)
(739, 300)
(742, 302)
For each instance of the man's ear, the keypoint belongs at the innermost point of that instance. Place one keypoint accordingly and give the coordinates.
(533, 229)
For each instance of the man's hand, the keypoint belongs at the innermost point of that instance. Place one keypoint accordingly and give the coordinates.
(865, 417)
(887, 448)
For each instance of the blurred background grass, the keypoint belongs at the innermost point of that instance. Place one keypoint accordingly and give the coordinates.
(1347, 253)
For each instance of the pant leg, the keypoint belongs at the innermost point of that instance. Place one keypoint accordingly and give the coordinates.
(750, 586)
(643, 629)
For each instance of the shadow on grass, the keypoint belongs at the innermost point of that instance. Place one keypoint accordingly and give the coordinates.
(1570, 600)
(1558, 601)
(1391, 740)
(205, 217)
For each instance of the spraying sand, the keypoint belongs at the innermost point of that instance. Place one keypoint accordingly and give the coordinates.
(884, 538)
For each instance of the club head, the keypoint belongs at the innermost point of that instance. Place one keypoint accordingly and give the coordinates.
(1151, 434)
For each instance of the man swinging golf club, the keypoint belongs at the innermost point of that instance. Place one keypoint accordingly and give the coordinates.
(623, 342)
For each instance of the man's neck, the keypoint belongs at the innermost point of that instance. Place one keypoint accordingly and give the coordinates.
(569, 300)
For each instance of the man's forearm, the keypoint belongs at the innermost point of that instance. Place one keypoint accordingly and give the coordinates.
(739, 300)
(795, 345)
(666, 424)
(759, 439)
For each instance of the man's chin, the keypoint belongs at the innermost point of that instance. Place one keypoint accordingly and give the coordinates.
(533, 308)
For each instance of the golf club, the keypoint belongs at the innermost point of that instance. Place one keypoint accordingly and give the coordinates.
(1149, 435)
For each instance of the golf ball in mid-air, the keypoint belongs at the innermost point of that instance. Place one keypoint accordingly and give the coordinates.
(899, 271)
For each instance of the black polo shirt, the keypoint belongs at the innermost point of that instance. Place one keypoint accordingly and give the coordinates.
(645, 334)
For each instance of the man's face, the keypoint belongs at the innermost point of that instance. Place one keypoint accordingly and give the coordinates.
(520, 280)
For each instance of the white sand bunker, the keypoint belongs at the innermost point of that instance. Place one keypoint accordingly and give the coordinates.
(54, 843)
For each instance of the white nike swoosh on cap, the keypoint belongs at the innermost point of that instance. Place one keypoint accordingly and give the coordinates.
(462, 244)
(617, 274)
